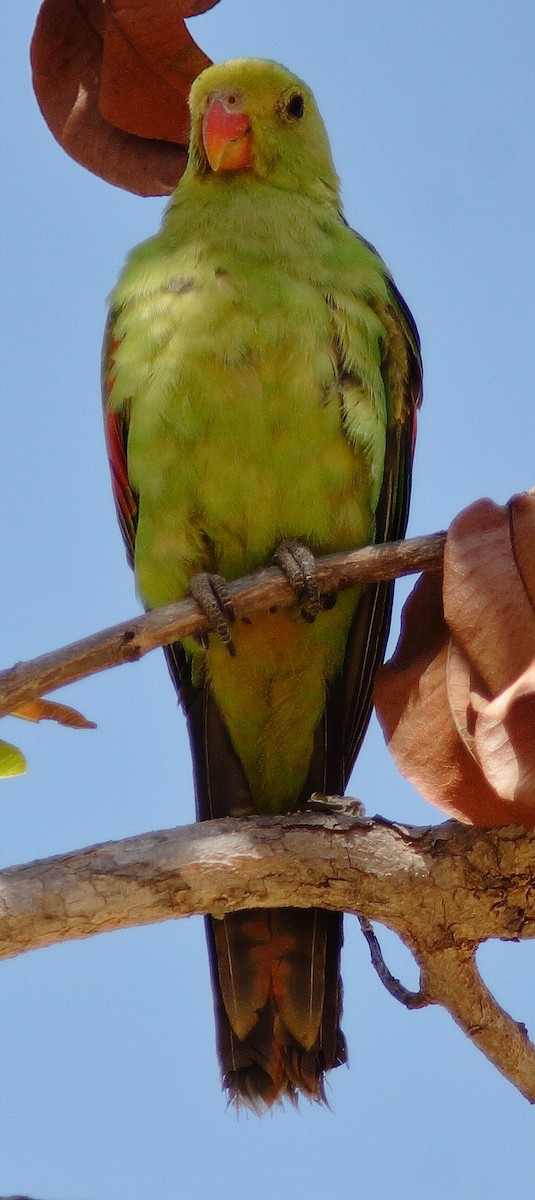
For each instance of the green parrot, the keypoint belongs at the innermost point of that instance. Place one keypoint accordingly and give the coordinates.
(261, 380)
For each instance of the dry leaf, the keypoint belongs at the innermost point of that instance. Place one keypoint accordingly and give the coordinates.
(112, 79)
(466, 744)
(413, 706)
(505, 740)
(486, 604)
(49, 710)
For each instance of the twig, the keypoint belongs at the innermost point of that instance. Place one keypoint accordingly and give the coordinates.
(132, 639)
(420, 882)
(396, 989)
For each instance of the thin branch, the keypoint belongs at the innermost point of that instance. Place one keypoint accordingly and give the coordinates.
(132, 639)
(443, 889)
(394, 986)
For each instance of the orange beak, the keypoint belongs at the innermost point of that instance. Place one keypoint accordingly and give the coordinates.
(226, 136)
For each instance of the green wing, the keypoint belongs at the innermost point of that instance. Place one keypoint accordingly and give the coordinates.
(350, 701)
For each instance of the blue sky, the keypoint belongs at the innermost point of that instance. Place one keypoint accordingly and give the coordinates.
(110, 1087)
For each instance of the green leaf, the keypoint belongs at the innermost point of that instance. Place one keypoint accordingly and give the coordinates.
(12, 761)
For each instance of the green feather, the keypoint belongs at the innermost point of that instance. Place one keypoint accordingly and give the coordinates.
(267, 370)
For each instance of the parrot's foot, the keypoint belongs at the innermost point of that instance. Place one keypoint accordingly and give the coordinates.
(212, 595)
(347, 806)
(299, 565)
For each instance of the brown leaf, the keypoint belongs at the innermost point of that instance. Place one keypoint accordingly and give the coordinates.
(467, 752)
(460, 684)
(112, 79)
(505, 741)
(148, 65)
(413, 706)
(49, 710)
(486, 605)
(522, 509)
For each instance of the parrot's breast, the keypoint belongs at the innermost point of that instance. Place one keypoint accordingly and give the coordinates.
(237, 436)
(240, 436)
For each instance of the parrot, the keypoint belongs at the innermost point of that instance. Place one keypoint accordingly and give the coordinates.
(261, 379)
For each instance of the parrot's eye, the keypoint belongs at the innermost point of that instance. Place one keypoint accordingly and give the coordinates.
(295, 106)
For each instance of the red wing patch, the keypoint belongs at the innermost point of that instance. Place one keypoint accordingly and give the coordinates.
(116, 433)
(116, 429)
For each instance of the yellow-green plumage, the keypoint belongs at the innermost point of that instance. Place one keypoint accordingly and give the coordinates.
(260, 358)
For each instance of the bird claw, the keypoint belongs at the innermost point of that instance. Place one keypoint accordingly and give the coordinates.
(299, 565)
(346, 806)
(213, 596)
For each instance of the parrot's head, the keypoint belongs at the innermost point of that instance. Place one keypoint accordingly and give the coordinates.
(253, 117)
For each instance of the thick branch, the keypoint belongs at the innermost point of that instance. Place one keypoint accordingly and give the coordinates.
(442, 889)
(442, 885)
(132, 639)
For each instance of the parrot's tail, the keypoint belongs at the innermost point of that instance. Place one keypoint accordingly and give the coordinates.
(277, 996)
(275, 973)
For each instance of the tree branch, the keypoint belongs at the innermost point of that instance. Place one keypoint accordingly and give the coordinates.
(451, 978)
(132, 639)
(397, 989)
(443, 889)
